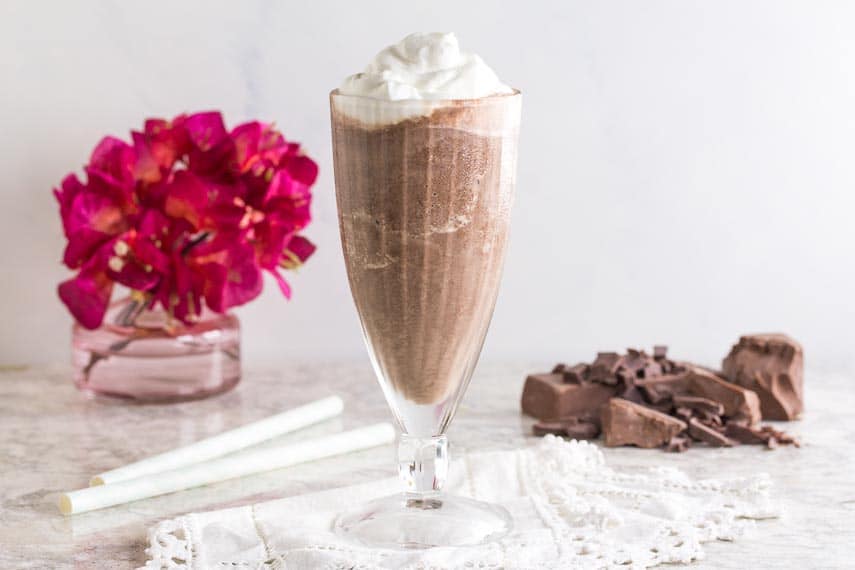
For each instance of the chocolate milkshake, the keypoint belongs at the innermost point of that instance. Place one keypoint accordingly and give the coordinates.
(425, 149)
(424, 189)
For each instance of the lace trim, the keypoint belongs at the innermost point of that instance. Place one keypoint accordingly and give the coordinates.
(579, 500)
(170, 546)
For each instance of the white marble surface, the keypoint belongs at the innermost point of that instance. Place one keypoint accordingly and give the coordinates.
(53, 439)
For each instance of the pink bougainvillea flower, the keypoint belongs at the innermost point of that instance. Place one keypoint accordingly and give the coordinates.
(188, 215)
(87, 295)
(234, 280)
(88, 219)
(296, 251)
(187, 198)
(111, 171)
(211, 149)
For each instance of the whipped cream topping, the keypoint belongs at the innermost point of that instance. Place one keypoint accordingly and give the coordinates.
(428, 66)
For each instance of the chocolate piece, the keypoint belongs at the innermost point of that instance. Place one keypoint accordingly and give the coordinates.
(678, 444)
(699, 404)
(626, 423)
(650, 370)
(663, 388)
(772, 365)
(700, 432)
(543, 428)
(576, 374)
(684, 413)
(604, 368)
(744, 434)
(738, 402)
(762, 436)
(548, 397)
(574, 427)
(660, 351)
(651, 401)
(712, 420)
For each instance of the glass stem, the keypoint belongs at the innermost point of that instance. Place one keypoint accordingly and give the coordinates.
(423, 463)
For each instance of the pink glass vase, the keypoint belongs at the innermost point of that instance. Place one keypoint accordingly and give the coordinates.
(144, 355)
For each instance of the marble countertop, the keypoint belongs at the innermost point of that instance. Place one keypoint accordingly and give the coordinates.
(53, 439)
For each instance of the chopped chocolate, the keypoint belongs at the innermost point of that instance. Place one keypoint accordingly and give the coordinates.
(699, 404)
(759, 436)
(712, 420)
(604, 368)
(738, 403)
(700, 432)
(543, 428)
(650, 370)
(626, 423)
(548, 397)
(574, 427)
(772, 365)
(663, 388)
(744, 434)
(684, 413)
(678, 444)
(648, 401)
(576, 374)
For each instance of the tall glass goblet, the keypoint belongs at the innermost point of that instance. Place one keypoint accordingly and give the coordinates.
(424, 192)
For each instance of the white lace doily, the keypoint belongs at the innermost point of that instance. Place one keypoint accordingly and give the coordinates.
(570, 510)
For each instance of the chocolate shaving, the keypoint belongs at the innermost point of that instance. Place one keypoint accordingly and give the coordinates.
(678, 444)
(700, 432)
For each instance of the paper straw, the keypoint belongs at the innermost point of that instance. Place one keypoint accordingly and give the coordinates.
(226, 442)
(239, 465)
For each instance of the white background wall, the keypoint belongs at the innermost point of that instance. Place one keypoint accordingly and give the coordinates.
(687, 170)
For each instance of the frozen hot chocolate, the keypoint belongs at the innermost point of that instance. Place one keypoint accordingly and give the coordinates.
(424, 146)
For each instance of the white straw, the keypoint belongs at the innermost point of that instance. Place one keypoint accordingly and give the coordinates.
(226, 442)
(238, 465)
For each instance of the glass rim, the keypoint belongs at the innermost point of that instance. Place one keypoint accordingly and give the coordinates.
(334, 94)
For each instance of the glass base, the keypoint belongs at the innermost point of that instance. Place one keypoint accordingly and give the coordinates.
(156, 360)
(414, 521)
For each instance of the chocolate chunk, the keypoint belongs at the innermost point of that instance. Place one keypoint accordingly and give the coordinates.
(700, 432)
(738, 402)
(576, 374)
(760, 436)
(626, 423)
(604, 368)
(574, 427)
(548, 397)
(709, 419)
(583, 430)
(559, 368)
(660, 351)
(543, 428)
(699, 404)
(684, 413)
(663, 388)
(678, 444)
(772, 365)
(650, 370)
(744, 434)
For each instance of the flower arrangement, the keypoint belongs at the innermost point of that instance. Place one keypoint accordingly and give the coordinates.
(187, 214)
